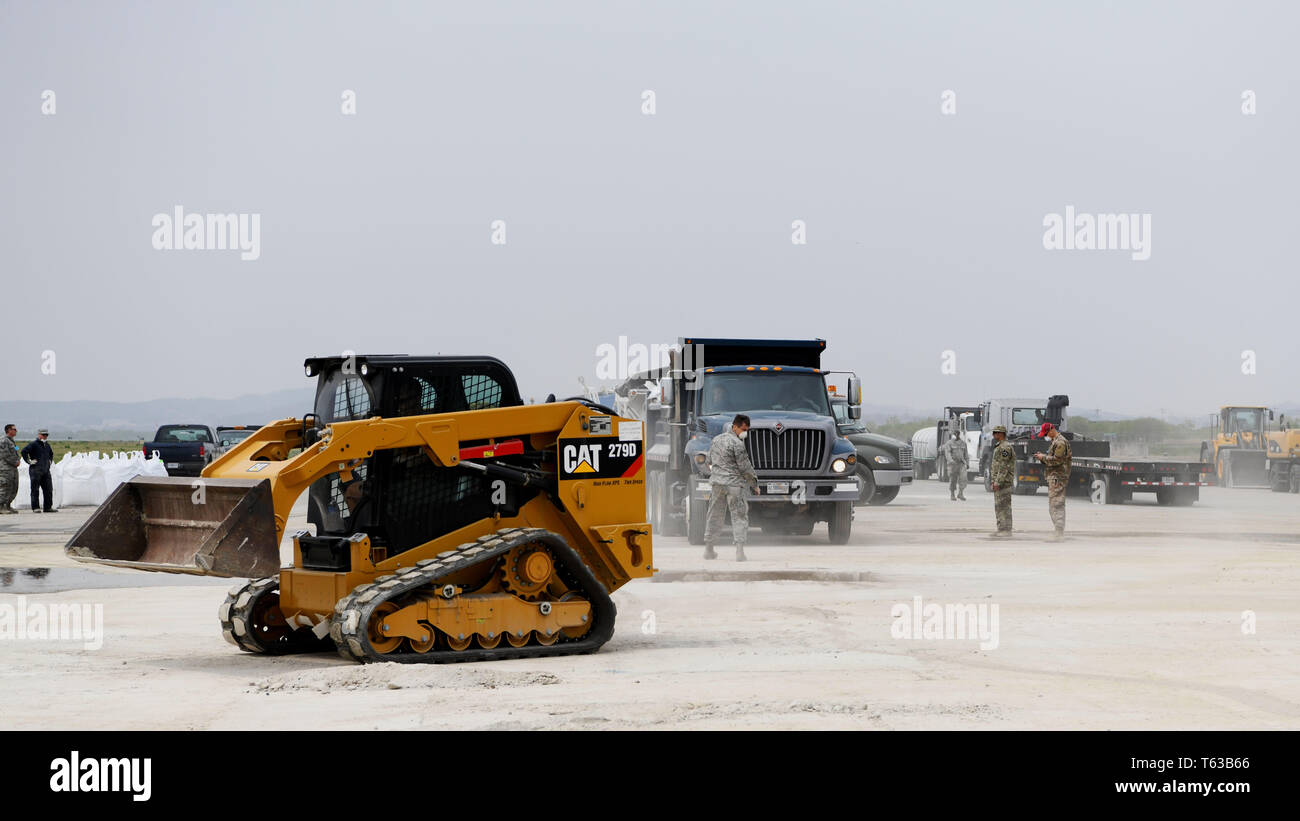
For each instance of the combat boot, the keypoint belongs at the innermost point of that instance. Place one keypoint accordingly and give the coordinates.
(962, 495)
(708, 552)
(740, 553)
(952, 494)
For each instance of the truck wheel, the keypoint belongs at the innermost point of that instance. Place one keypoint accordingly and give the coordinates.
(1099, 490)
(1295, 478)
(696, 515)
(655, 500)
(884, 496)
(1225, 470)
(1185, 496)
(841, 522)
(941, 471)
(988, 477)
(1279, 481)
(866, 485)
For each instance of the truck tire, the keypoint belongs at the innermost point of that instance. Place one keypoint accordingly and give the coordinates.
(884, 495)
(652, 512)
(866, 485)
(1225, 469)
(987, 470)
(696, 516)
(1295, 478)
(1099, 490)
(941, 470)
(1279, 481)
(841, 522)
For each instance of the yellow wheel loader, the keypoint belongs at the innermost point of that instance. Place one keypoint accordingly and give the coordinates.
(449, 521)
(1237, 447)
(1283, 463)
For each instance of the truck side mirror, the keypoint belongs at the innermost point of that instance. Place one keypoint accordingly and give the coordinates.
(855, 395)
(855, 411)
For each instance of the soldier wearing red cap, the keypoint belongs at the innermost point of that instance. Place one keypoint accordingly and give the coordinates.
(1056, 462)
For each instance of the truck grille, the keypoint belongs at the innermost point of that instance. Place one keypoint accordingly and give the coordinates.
(905, 457)
(792, 449)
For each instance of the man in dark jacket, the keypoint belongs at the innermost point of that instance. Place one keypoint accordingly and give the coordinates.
(39, 457)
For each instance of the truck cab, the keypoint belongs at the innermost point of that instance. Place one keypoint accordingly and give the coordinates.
(805, 467)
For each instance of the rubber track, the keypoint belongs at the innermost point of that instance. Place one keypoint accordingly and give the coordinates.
(236, 612)
(353, 611)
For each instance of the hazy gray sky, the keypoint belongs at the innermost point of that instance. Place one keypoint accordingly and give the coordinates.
(925, 231)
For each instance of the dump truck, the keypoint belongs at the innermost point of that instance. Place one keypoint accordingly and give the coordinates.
(806, 469)
(449, 521)
(1236, 446)
(1283, 462)
(1093, 471)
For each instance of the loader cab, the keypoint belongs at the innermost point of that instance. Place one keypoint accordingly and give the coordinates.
(1242, 426)
(417, 498)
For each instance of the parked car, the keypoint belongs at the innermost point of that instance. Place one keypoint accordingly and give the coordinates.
(230, 435)
(184, 449)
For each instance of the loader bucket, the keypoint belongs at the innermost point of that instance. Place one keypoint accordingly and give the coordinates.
(165, 524)
(1247, 468)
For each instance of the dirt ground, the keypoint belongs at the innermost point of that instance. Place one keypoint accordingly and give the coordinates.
(1134, 622)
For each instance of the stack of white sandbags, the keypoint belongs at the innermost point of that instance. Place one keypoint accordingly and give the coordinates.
(88, 478)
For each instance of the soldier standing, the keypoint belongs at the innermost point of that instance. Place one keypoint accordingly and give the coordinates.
(1002, 472)
(1057, 463)
(958, 461)
(9, 462)
(730, 475)
(40, 456)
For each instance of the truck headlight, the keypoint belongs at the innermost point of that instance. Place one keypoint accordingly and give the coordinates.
(839, 466)
(883, 460)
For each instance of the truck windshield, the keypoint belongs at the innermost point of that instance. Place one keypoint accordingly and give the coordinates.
(738, 392)
(230, 437)
(1028, 416)
(182, 433)
(972, 423)
(1245, 419)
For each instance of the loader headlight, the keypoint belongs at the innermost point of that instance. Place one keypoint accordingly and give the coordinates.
(839, 465)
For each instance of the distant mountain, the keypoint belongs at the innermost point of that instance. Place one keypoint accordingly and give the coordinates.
(91, 419)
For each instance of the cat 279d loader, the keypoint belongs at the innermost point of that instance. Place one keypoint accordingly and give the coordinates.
(452, 522)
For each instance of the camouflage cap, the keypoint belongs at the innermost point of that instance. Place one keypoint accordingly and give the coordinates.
(1000, 429)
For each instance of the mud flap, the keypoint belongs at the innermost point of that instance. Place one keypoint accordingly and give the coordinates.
(224, 528)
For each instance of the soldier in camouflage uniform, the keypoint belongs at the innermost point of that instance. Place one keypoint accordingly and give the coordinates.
(1002, 473)
(730, 475)
(1057, 464)
(9, 462)
(958, 461)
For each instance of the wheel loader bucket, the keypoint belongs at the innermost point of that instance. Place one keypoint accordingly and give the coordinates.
(224, 527)
(1248, 468)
